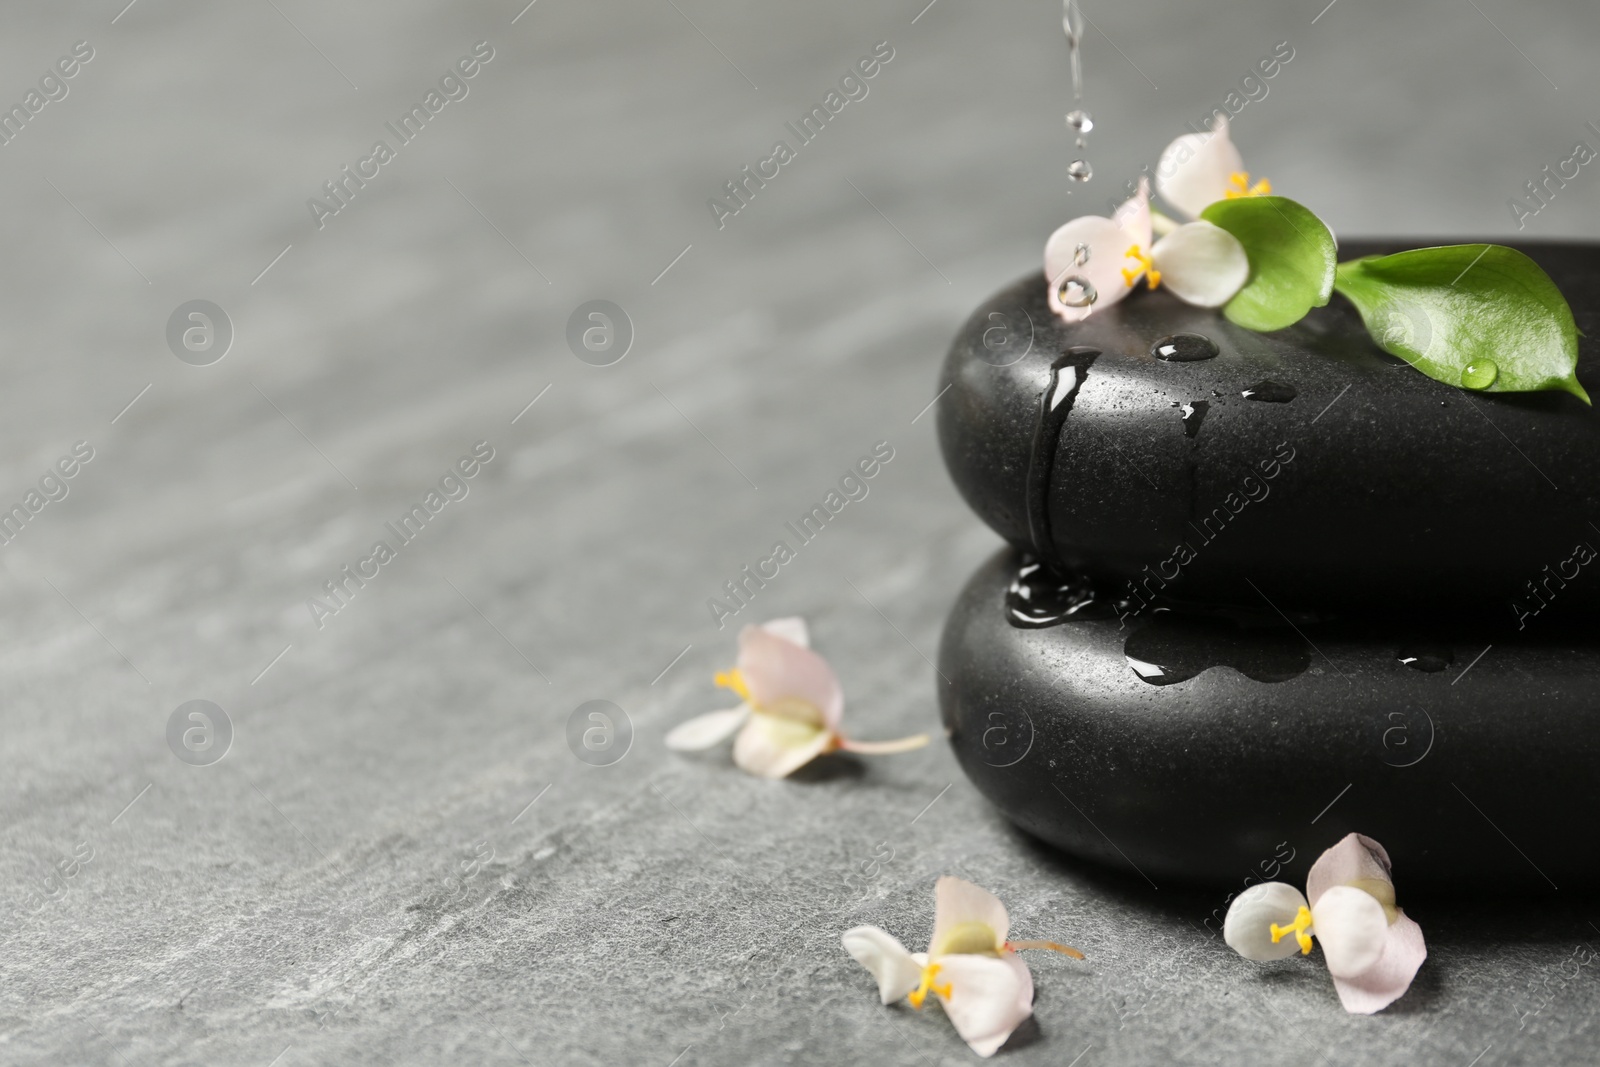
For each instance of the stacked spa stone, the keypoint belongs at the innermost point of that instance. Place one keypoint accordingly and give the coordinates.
(1262, 590)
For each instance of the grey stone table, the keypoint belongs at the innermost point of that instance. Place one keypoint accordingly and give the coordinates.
(399, 858)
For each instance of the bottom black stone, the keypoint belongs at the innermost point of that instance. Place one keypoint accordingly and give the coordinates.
(1207, 748)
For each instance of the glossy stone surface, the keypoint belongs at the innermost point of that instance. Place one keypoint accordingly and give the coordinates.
(1475, 769)
(1170, 477)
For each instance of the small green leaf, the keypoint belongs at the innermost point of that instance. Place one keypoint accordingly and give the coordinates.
(1292, 259)
(1480, 317)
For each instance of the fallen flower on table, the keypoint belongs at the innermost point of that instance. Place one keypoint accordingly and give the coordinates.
(1371, 947)
(792, 704)
(982, 983)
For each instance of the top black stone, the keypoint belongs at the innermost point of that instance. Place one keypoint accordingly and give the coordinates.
(1305, 463)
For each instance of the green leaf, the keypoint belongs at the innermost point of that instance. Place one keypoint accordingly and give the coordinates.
(1292, 259)
(1481, 317)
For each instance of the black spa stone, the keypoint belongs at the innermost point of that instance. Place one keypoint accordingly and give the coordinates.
(1170, 453)
(1223, 746)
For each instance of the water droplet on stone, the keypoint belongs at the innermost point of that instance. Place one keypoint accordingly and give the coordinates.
(1080, 121)
(1480, 374)
(1174, 647)
(1076, 292)
(1079, 170)
(1039, 597)
(1430, 659)
(1194, 413)
(1270, 392)
(1184, 348)
(1080, 255)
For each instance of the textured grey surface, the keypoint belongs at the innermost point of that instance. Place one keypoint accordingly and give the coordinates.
(305, 897)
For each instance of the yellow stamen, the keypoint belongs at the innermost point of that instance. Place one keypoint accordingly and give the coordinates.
(918, 995)
(1239, 186)
(735, 681)
(1302, 923)
(1146, 267)
(1053, 946)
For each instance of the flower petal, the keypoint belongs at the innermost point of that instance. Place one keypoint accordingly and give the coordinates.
(1202, 264)
(1194, 170)
(1356, 858)
(1133, 215)
(774, 747)
(1098, 267)
(703, 731)
(793, 628)
(884, 748)
(1383, 983)
(1024, 982)
(1248, 926)
(897, 972)
(989, 998)
(1105, 243)
(959, 908)
(1353, 929)
(778, 671)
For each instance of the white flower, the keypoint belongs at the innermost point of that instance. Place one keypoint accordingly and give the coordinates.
(791, 710)
(982, 983)
(1087, 261)
(1371, 947)
(1198, 169)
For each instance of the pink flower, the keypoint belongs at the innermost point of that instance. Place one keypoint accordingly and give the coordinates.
(1093, 262)
(791, 709)
(983, 985)
(1198, 169)
(1371, 947)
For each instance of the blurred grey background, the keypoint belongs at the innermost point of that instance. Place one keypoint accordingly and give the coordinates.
(400, 859)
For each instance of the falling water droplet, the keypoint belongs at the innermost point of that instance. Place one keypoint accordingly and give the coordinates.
(1078, 120)
(1072, 23)
(1076, 292)
(1080, 255)
(1480, 374)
